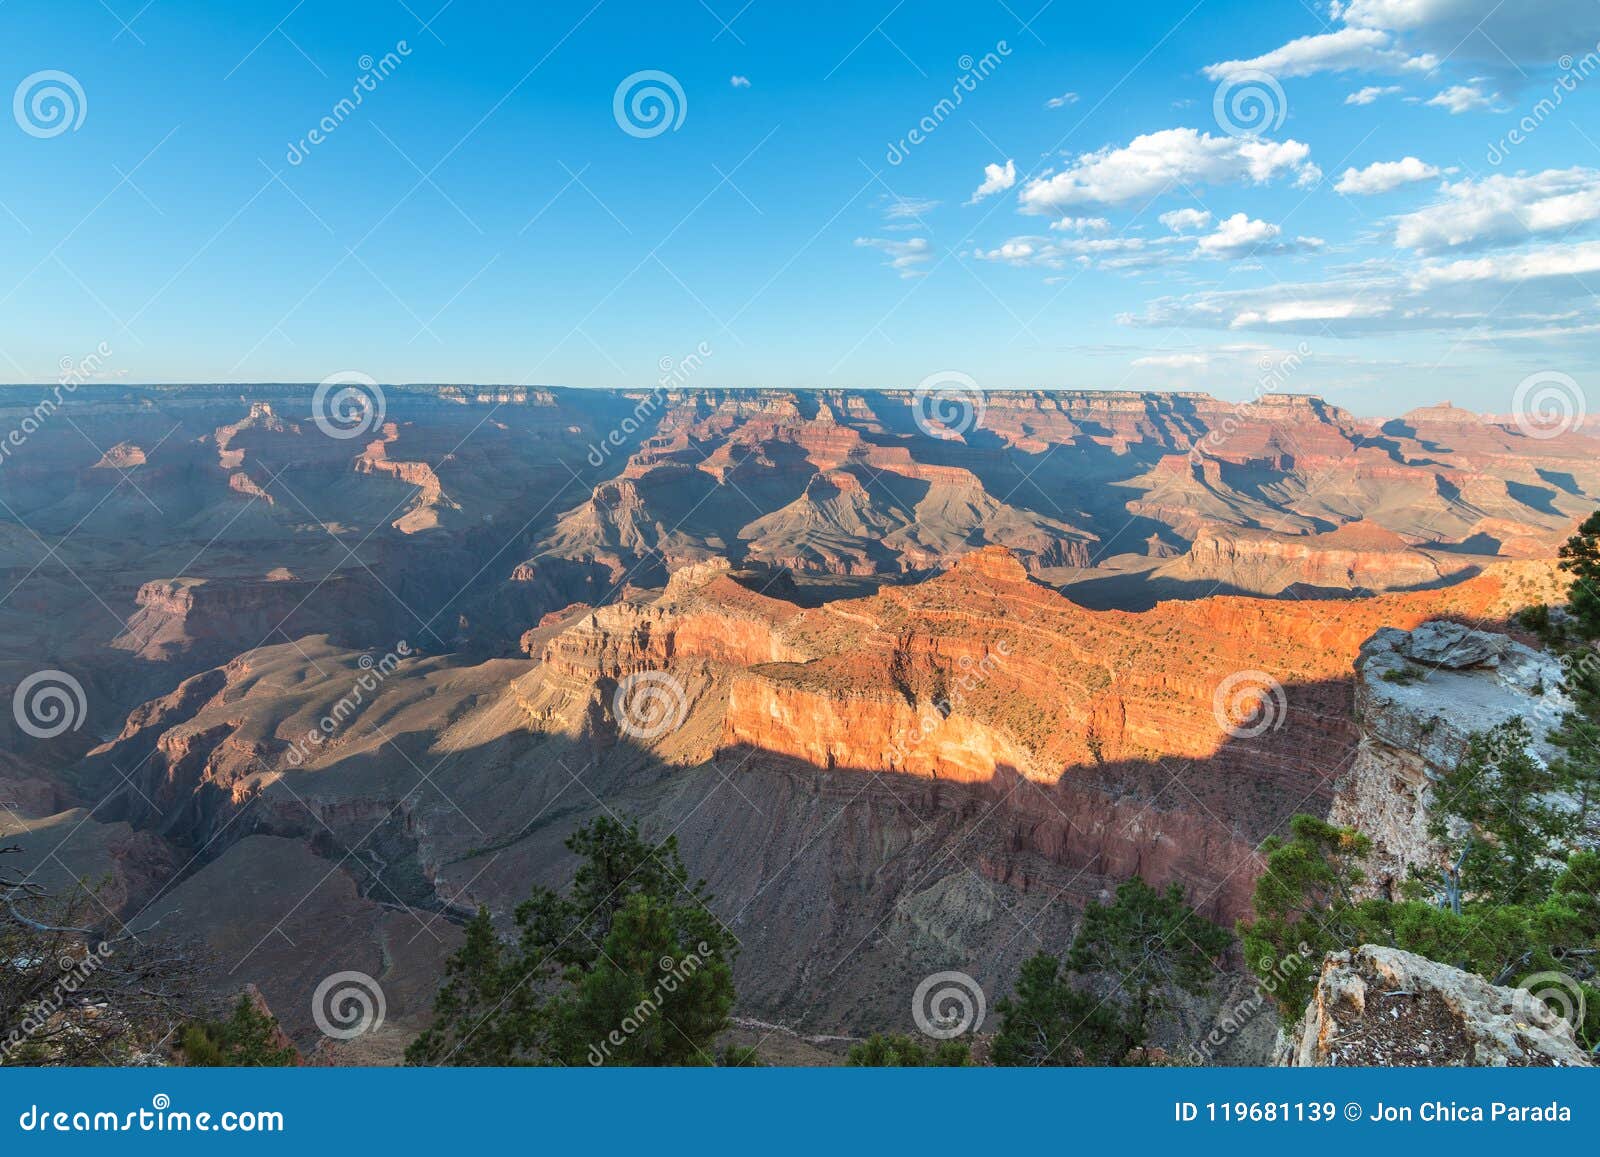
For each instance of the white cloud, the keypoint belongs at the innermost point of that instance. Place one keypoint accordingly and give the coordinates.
(1348, 49)
(1238, 236)
(1243, 236)
(1536, 264)
(1394, 36)
(903, 256)
(996, 179)
(1081, 225)
(739, 81)
(1186, 220)
(1460, 98)
(900, 208)
(1174, 361)
(1526, 31)
(1384, 177)
(1153, 163)
(1536, 290)
(1371, 93)
(1065, 98)
(1502, 210)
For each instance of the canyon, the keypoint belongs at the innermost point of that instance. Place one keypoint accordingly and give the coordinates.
(908, 697)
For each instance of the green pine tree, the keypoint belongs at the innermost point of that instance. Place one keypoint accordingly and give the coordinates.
(895, 1051)
(248, 1038)
(631, 949)
(1152, 946)
(1047, 1020)
(1305, 897)
(1493, 817)
(1581, 556)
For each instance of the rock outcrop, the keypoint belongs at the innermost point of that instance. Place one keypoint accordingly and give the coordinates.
(1382, 1006)
(1420, 695)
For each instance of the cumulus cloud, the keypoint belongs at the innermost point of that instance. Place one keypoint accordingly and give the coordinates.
(905, 257)
(1243, 236)
(996, 179)
(1348, 49)
(1065, 98)
(739, 81)
(1371, 93)
(1384, 177)
(1502, 210)
(1460, 98)
(1155, 162)
(1396, 36)
(1186, 220)
(1081, 225)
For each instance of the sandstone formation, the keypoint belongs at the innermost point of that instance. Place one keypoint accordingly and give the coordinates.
(904, 739)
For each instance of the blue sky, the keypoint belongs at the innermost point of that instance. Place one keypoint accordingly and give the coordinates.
(482, 215)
